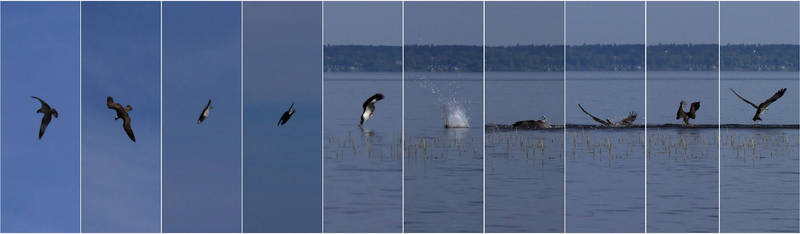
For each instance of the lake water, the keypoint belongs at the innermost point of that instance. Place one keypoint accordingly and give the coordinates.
(363, 167)
(525, 170)
(444, 166)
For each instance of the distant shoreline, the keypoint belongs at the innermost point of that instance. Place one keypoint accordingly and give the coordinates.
(549, 58)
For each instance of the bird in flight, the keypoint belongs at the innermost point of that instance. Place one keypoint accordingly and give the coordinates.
(286, 115)
(687, 115)
(369, 107)
(204, 114)
(761, 108)
(122, 112)
(47, 114)
(626, 122)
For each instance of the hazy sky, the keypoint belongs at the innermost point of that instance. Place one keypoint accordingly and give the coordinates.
(40, 178)
(283, 165)
(759, 22)
(444, 23)
(202, 61)
(121, 56)
(697, 22)
(605, 23)
(363, 23)
(525, 23)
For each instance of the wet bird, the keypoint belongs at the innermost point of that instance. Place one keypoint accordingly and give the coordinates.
(761, 108)
(626, 122)
(369, 107)
(204, 114)
(122, 113)
(286, 115)
(541, 123)
(687, 115)
(47, 114)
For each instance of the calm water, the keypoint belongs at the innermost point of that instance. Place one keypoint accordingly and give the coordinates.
(443, 167)
(605, 169)
(363, 167)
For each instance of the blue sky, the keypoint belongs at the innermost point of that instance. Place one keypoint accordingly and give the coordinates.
(363, 23)
(283, 165)
(524, 23)
(40, 178)
(605, 23)
(697, 22)
(759, 22)
(202, 180)
(121, 56)
(444, 23)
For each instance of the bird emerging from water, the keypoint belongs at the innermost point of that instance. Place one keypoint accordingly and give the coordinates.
(122, 112)
(204, 114)
(47, 114)
(541, 123)
(761, 108)
(286, 115)
(626, 122)
(687, 115)
(369, 107)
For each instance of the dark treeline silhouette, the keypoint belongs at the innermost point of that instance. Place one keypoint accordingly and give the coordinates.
(549, 58)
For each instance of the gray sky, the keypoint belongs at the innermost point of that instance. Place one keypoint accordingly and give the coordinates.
(681, 22)
(759, 22)
(363, 23)
(525, 23)
(605, 23)
(444, 23)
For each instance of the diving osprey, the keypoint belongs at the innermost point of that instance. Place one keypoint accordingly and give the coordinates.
(628, 121)
(286, 115)
(122, 113)
(761, 108)
(369, 107)
(204, 114)
(687, 115)
(47, 112)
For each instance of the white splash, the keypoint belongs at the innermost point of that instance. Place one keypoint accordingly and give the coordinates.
(454, 115)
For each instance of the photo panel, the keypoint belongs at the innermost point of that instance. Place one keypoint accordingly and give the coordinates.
(605, 164)
(682, 146)
(202, 117)
(363, 117)
(525, 116)
(759, 117)
(41, 117)
(121, 111)
(282, 116)
(443, 117)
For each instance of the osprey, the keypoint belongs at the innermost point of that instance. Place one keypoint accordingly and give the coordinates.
(761, 108)
(626, 122)
(122, 113)
(48, 113)
(286, 115)
(369, 107)
(541, 123)
(204, 114)
(687, 115)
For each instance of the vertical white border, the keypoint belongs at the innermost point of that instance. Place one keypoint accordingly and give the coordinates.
(645, 116)
(80, 116)
(241, 117)
(403, 115)
(1, 105)
(322, 120)
(161, 118)
(719, 114)
(564, 38)
(483, 103)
